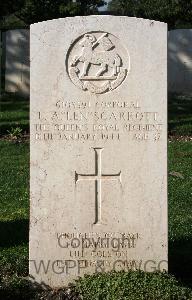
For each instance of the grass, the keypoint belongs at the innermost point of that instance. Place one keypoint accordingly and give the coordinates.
(14, 211)
(180, 210)
(14, 224)
(180, 115)
(14, 112)
(131, 286)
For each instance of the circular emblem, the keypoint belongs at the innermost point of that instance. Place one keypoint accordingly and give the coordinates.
(97, 62)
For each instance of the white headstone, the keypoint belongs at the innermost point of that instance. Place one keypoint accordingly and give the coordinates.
(98, 147)
(180, 61)
(17, 61)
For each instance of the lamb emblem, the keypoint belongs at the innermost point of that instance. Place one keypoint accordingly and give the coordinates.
(96, 66)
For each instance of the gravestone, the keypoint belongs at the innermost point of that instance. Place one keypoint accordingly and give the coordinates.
(98, 147)
(180, 61)
(17, 69)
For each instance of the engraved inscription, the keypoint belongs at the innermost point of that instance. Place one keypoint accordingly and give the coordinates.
(95, 64)
(108, 121)
(98, 177)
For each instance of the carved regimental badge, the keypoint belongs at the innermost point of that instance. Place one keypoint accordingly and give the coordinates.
(97, 62)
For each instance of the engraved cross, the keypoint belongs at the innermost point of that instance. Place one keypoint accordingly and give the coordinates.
(98, 177)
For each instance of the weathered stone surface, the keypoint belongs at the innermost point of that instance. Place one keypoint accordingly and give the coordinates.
(98, 147)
